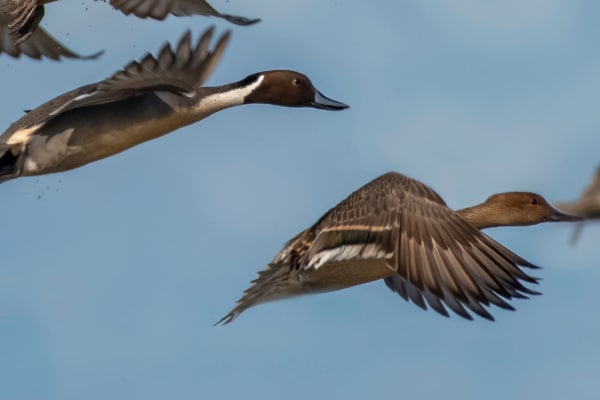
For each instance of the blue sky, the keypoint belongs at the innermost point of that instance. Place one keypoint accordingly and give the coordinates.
(113, 274)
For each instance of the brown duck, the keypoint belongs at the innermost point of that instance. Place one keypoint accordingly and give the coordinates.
(398, 229)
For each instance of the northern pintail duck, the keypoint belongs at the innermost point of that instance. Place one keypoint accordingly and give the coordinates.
(19, 19)
(145, 100)
(398, 229)
(587, 206)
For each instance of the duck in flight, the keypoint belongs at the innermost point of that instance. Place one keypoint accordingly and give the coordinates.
(398, 229)
(586, 206)
(20, 34)
(145, 100)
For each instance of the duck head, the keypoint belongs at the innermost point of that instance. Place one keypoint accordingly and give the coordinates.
(525, 208)
(289, 89)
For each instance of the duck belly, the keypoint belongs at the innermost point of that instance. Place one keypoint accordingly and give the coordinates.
(342, 274)
(80, 136)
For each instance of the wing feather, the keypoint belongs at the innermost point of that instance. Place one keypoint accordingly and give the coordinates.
(160, 9)
(39, 45)
(179, 72)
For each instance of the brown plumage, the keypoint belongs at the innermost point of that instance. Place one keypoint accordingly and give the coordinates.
(399, 230)
(586, 206)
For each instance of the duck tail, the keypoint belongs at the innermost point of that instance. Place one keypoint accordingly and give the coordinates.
(277, 281)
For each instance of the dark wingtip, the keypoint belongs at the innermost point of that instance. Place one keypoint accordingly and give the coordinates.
(466, 316)
(487, 316)
(529, 292)
(241, 21)
(505, 306)
(226, 319)
(91, 56)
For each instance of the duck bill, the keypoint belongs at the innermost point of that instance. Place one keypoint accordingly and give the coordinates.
(325, 103)
(557, 216)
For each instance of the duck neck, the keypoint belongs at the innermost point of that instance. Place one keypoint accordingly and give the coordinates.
(205, 101)
(218, 98)
(482, 216)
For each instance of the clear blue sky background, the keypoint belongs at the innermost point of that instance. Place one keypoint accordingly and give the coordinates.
(113, 274)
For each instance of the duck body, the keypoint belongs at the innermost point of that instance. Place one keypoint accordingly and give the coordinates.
(400, 230)
(142, 102)
(83, 135)
(89, 134)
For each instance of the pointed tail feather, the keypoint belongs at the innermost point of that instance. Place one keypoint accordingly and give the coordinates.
(277, 281)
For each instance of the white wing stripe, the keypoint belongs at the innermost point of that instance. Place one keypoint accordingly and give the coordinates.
(348, 252)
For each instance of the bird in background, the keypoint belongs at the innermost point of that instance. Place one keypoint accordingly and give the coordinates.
(40, 44)
(586, 206)
(145, 100)
(20, 34)
(398, 229)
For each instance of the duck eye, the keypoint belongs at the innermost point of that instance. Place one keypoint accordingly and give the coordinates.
(297, 82)
(533, 201)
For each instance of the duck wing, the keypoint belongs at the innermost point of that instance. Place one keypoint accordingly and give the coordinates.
(178, 71)
(159, 9)
(40, 44)
(440, 259)
(24, 19)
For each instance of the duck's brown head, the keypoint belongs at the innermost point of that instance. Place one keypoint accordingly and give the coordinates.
(289, 89)
(524, 208)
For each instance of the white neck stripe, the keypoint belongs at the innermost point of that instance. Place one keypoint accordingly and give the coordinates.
(233, 97)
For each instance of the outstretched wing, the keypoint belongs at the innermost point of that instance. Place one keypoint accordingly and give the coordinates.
(181, 70)
(40, 44)
(178, 71)
(159, 9)
(439, 258)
